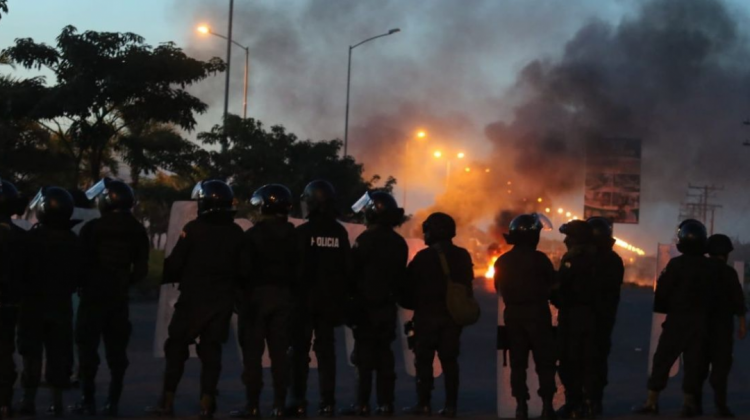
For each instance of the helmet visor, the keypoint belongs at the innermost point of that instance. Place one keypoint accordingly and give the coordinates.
(36, 201)
(544, 220)
(197, 190)
(97, 189)
(363, 202)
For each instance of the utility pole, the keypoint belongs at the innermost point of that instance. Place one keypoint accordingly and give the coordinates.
(698, 205)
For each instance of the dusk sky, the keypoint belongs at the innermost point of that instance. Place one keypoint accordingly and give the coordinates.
(453, 70)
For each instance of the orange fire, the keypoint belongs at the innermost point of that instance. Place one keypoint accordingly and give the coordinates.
(490, 273)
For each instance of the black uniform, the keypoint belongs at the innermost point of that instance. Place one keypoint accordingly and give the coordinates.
(117, 246)
(11, 254)
(318, 305)
(609, 278)
(685, 292)
(434, 329)
(205, 262)
(525, 278)
(719, 340)
(53, 268)
(379, 269)
(578, 296)
(269, 264)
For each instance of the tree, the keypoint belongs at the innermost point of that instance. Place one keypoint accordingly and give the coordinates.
(106, 80)
(257, 156)
(3, 8)
(155, 198)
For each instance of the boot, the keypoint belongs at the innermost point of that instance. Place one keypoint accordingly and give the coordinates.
(722, 410)
(651, 407)
(548, 409)
(111, 407)
(522, 409)
(420, 409)
(589, 410)
(385, 410)
(28, 403)
(208, 407)
(326, 410)
(362, 410)
(598, 407)
(251, 411)
(85, 407)
(449, 411)
(689, 407)
(163, 408)
(57, 408)
(569, 411)
(298, 410)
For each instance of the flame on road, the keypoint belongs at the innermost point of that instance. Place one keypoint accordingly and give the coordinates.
(490, 274)
(631, 248)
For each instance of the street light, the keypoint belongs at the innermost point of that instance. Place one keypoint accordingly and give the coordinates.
(207, 30)
(421, 135)
(348, 84)
(438, 154)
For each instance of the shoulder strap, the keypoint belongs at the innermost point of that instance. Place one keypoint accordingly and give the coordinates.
(444, 265)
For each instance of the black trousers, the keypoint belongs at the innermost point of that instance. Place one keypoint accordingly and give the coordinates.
(265, 318)
(206, 321)
(577, 344)
(718, 358)
(373, 352)
(681, 334)
(605, 325)
(8, 375)
(45, 329)
(436, 334)
(530, 331)
(107, 321)
(305, 325)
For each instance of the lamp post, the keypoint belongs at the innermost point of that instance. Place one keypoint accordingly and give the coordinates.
(207, 30)
(420, 136)
(438, 154)
(348, 84)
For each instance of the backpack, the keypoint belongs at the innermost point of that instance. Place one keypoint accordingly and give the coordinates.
(462, 306)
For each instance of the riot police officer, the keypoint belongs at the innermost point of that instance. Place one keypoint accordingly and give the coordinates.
(719, 340)
(525, 278)
(11, 254)
(53, 269)
(324, 265)
(576, 300)
(117, 246)
(609, 278)
(684, 292)
(435, 330)
(379, 258)
(205, 263)
(269, 263)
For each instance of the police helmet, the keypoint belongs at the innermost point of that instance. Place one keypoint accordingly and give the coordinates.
(438, 227)
(213, 196)
(577, 232)
(9, 199)
(719, 244)
(272, 199)
(319, 196)
(601, 226)
(114, 195)
(524, 229)
(692, 237)
(53, 205)
(380, 208)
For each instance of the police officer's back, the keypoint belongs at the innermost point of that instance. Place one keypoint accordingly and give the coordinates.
(609, 273)
(525, 278)
(324, 249)
(379, 259)
(54, 266)
(269, 263)
(11, 257)
(117, 247)
(686, 293)
(435, 330)
(205, 263)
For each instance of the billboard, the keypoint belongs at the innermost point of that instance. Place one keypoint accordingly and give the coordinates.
(613, 179)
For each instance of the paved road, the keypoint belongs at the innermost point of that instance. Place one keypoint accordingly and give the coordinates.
(478, 390)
